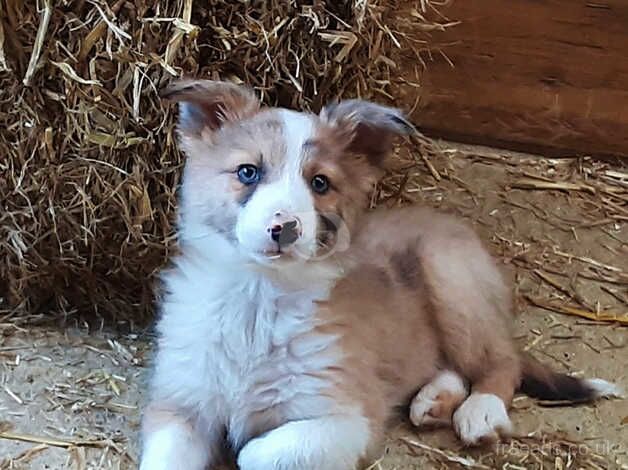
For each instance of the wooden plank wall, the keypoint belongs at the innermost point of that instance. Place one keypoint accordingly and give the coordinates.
(548, 75)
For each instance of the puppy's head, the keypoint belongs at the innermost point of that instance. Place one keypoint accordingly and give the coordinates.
(278, 184)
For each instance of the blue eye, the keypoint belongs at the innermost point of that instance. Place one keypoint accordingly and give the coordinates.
(248, 174)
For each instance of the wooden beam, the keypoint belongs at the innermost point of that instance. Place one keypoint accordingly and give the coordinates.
(530, 74)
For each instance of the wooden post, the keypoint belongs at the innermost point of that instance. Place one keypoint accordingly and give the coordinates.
(549, 75)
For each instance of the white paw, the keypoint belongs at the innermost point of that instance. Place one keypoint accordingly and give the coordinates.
(329, 443)
(482, 418)
(434, 402)
(258, 455)
(171, 449)
(420, 412)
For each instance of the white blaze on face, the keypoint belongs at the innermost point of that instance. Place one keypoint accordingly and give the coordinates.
(288, 194)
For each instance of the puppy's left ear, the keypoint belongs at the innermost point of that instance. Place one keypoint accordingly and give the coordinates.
(367, 128)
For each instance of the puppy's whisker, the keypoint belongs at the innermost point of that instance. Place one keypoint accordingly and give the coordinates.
(325, 245)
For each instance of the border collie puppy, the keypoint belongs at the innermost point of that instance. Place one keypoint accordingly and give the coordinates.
(294, 321)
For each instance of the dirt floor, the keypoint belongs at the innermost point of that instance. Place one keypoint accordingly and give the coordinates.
(70, 397)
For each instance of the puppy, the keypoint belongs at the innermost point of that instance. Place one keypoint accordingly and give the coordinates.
(294, 322)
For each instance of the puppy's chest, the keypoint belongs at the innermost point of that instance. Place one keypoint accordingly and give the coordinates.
(272, 361)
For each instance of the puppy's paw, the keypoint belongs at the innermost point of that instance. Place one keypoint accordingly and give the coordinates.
(334, 442)
(436, 401)
(420, 412)
(482, 418)
(258, 455)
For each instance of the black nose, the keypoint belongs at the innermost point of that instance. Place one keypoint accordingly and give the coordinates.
(286, 233)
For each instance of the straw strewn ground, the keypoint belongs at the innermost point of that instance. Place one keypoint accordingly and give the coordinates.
(74, 397)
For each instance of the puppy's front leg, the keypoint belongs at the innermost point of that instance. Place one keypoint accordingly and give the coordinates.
(335, 442)
(175, 440)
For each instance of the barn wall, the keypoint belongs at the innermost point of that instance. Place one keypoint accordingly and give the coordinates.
(531, 74)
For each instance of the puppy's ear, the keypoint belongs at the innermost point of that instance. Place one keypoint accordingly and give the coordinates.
(367, 128)
(206, 105)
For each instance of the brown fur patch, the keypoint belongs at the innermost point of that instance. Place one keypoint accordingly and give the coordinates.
(407, 266)
(351, 176)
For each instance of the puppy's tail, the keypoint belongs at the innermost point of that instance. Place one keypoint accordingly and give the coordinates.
(540, 381)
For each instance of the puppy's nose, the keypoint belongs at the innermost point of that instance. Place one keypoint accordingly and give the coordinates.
(285, 232)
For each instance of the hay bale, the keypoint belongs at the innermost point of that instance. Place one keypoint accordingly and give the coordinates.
(90, 167)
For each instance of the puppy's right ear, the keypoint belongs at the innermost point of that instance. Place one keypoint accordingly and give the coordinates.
(206, 105)
(365, 127)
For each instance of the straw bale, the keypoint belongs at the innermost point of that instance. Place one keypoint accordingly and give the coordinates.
(90, 167)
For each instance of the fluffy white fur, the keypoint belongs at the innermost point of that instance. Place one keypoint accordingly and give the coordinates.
(227, 328)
